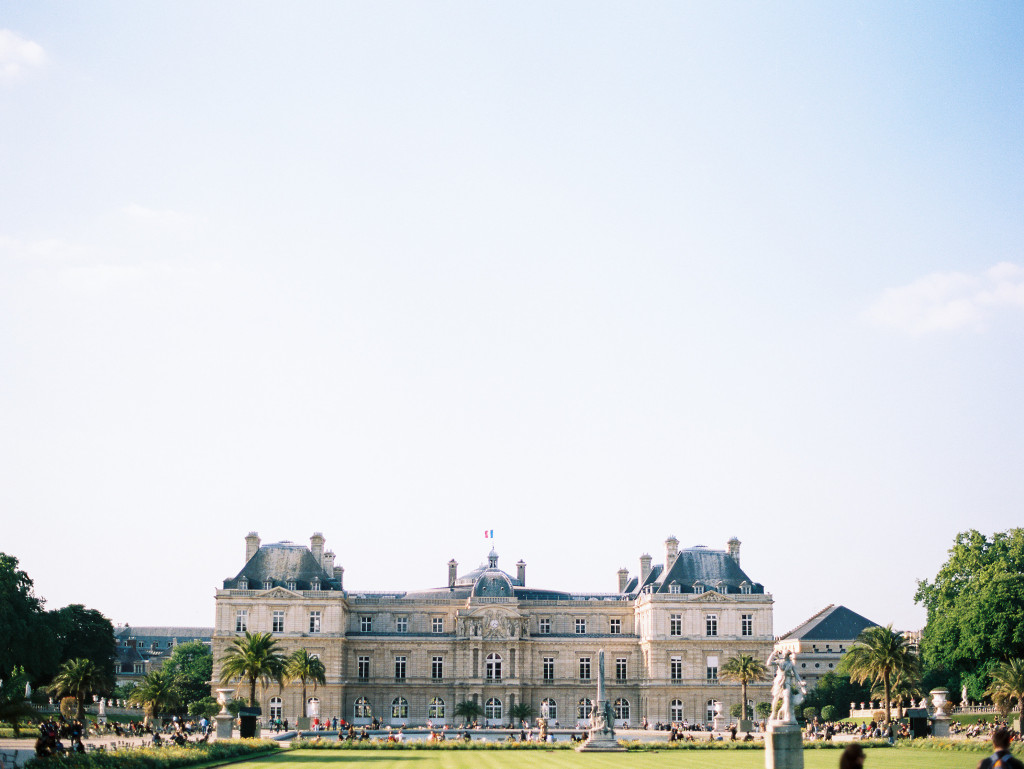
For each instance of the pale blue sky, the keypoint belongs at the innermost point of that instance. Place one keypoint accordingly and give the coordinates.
(588, 274)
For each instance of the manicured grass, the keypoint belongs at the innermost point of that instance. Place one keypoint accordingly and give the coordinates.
(883, 758)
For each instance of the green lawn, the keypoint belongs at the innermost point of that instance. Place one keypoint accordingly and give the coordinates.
(883, 758)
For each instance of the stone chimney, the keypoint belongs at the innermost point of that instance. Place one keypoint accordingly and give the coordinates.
(453, 571)
(734, 550)
(252, 544)
(339, 574)
(623, 579)
(671, 552)
(328, 562)
(316, 546)
(521, 571)
(645, 567)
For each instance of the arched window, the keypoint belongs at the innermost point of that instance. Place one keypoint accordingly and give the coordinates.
(552, 707)
(583, 709)
(362, 708)
(493, 667)
(711, 710)
(676, 710)
(436, 708)
(621, 709)
(313, 707)
(275, 707)
(492, 710)
(399, 707)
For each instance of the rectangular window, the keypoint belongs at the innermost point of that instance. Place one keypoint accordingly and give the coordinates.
(620, 668)
(675, 666)
(437, 668)
(675, 624)
(584, 668)
(549, 668)
(545, 625)
(365, 624)
(615, 627)
(711, 624)
(402, 624)
(241, 620)
(277, 625)
(437, 625)
(364, 668)
(712, 668)
(314, 622)
(400, 667)
(581, 626)
(747, 624)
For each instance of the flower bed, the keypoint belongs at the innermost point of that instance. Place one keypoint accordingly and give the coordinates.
(165, 757)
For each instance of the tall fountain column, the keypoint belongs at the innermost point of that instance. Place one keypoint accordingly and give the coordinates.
(602, 720)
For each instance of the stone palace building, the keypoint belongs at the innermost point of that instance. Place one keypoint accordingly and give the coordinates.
(487, 636)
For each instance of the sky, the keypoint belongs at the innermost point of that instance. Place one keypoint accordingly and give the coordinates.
(587, 274)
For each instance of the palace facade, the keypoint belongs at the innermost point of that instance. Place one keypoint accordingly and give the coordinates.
(487, 636)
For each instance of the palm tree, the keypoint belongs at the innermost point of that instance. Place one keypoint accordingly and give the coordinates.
(880, 655)
(301, 666)
(521, 711)
(77, 678)
(1008, 683)
(155, 692)
(745, 669)
(469, 710)
(904, 684)
(252, 657)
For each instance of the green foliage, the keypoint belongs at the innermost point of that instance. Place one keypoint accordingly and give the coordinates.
(235, 706)
(26, 640)
(253, 657)
(974, 602)
(880, 655)
(13, 705)
(809, 713)
(468, 710)
(84, 634)
(838, 691)
(165, 757)
(521, 711)
(190, 667)
(207, 707)
(829, 713)
(736, 710)
(763, 709)
(301, 666)
(156, 692)
(744, 669)
(1007, 684)
(78, 678)
(454, 742)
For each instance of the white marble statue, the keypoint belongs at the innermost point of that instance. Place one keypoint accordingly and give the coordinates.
(788, 688)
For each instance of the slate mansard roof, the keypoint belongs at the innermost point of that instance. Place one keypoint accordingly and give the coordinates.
(280, 563)
(833, 623)
(697, 569)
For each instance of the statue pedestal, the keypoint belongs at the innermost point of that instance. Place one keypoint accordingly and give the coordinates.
(600, 743)
(940, 726)
(783, 746)
(225, 721)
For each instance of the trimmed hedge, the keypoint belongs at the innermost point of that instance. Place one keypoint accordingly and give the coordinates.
(454, 743)
(973, 745)
(164, 757)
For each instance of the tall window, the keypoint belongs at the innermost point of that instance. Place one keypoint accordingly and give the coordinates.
(314, 622)
(549, 668)
(437, 668)
(436, 708)
(710, 713)
(402, 624)
(492, 709)
(583, 709)
(584, 668)
(711, 624)
(620, 668)
(364, 668)
(615, 626)
(675, 665)
(712, 668)
(545, 625)
(676, 710)
(365, 624)
(275, 707)
(492, 667)
(675, 624)
(277, 622)
(400, 666)
(581, 626)
(437, 625)
(362, 708)
(241, 620)
(552, 708)
(747, 624)
(399, 707)
(621, 709)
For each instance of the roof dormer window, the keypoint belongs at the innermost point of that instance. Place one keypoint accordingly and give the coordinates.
(267, 584)
(243, 584)
(315, 585)
(675, 587)
(698, 587)
(745, 587)
(291, 585)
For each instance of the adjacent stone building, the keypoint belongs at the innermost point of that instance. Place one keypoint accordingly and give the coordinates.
(821, 641)
(141, 650)
(487, 636)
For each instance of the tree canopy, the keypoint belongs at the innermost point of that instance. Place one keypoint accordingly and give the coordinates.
(251, 658)
(744, 669)
(78, 678)
(26, 639)
(302, 666)
(880, 655)
(190, 668)
(975, 603)
(84, 633)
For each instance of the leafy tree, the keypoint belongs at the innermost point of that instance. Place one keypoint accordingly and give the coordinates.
(78, 678)
(763, 709)
(1008, 684)
(838, 691)
(191, 668)
(879, 655)
(13, 704)
(829, 713)
(744, 669)
(84, 633)
(253, 657)
(736, 710)
(207, 707)
(303, 667)
(810, 713)
(904, 686)
(521, 711)
(26, 640)
(974, 602)
(155, 692)
(468, 710)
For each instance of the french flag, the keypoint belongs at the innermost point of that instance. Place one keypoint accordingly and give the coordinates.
(489, 534)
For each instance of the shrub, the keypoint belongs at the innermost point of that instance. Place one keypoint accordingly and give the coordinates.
(763, 709)
(810, 713)
(166, 757)
(829, 712)
(736, 711)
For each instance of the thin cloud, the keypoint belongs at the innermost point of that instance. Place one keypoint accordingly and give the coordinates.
(949, 301)
(18, 55)
(157, 217)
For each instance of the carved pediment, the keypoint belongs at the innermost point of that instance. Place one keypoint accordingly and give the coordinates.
(712, 596)
(279, 592)
(492, 622)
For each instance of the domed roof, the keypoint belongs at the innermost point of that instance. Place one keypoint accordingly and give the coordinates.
(493, 583)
